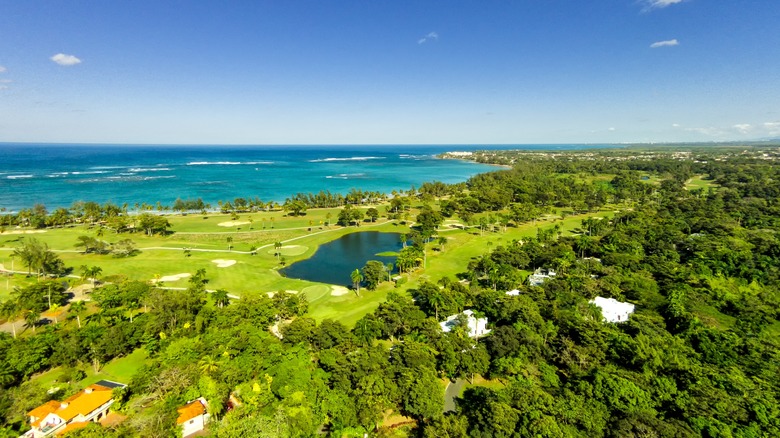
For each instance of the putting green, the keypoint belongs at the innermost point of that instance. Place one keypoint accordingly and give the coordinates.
(290, 250)
(316, 291)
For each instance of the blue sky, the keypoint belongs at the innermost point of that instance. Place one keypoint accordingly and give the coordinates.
(382, 71)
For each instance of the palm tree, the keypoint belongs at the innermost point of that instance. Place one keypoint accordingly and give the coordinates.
(221, 298)
(278, 248)
(9, 310)
(90, 273)
(436, 299)
(229, 241)
(389, 269)
(77, 307)
(356, 279)
(31, 319)
(442, 240)
(207, 364)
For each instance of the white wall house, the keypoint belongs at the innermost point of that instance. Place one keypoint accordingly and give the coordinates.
(613, 310)
(193, 417)
(477, 327)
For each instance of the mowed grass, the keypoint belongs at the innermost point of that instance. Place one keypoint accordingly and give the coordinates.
(698, 182)
(121, 369)
(162, 256)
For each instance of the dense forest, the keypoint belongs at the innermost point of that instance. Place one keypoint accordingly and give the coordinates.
(700, 356)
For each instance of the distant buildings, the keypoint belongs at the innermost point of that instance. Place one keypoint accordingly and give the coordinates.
(613, 310)
(476, 327)
(88, 405)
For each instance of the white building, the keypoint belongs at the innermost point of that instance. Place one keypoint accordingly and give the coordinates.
(193, 417)
(613, 310)
(540, 276)
(513, 293)
(477, 327)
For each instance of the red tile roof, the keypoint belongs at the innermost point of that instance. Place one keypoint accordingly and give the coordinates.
(190, 411)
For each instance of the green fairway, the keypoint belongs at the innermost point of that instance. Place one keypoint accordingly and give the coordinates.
(246, 261)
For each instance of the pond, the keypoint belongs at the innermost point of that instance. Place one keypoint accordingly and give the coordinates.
(334, 261)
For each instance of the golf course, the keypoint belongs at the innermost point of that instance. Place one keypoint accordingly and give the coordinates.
(244, 253)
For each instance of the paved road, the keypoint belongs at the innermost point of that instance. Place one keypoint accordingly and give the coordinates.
(452, 391)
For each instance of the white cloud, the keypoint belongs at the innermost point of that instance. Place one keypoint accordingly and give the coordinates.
(743, 128)
(611, 129)
(773, 128)
(667, 43)
(432, 36)
(2, 69)
(659, 4)
(65, 60)
(675, 125)
(3, 87)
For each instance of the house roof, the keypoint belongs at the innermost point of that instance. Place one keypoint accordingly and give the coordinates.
(42, 411)
(613, 310)
(86, 401)
(190, 411)
(476, 327)
(83, 402)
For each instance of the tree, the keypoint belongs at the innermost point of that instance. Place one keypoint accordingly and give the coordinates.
(31, 318)
(373, 273)
(422, 395)
(356, 278)
(207, 365)
(372, 214)
(9, 311)
(221, 298)
(153, 224)
(230, 242)
(37, 256)
(77, 308)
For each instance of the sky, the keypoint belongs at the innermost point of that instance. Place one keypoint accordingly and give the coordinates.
(389, 71)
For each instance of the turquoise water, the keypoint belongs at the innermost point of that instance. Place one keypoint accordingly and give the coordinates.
(58, 175)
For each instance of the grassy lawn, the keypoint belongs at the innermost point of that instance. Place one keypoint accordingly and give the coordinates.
(120, 370)
(698, 182)
(481, 381)
(162, 256)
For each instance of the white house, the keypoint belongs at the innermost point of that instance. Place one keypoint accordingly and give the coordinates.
(193, 417)
(477, 327)
(613, 310)
(540, 276)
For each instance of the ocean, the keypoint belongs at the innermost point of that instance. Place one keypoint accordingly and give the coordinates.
(58, 175)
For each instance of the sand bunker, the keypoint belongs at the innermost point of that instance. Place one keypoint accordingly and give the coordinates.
(23, 232)
(223, 263)
(176, 277)
(338, 291)
(271, 294)
(232, 223)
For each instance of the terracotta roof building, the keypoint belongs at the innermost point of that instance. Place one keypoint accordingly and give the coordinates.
(193, 416)
(89, 404)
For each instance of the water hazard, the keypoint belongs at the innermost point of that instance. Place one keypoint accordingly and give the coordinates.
(334, 261)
